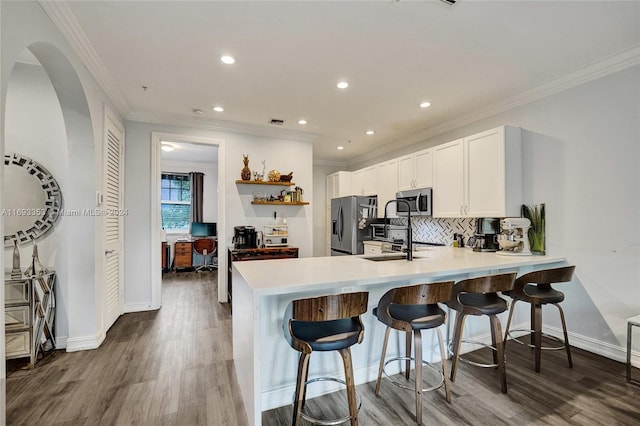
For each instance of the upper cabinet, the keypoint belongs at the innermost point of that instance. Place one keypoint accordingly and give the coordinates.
(479, 176)
(364, 181)
(387, 177)
(416, 170)
(338, 185)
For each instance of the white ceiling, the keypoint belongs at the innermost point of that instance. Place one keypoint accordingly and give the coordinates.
(463, 58)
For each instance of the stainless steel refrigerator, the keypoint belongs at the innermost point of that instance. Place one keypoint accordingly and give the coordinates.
(350, 219)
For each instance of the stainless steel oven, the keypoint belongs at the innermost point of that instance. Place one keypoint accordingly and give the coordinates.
(419, 202)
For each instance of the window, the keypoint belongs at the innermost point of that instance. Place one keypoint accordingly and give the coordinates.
(175, 201)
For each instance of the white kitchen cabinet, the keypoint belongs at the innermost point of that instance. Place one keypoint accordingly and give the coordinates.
(364, 181)
(387, 180)
(479, 176)
(448, 179)
(338, 185)
(416, 170)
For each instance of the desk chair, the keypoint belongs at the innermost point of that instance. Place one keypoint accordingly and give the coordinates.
(207, 248)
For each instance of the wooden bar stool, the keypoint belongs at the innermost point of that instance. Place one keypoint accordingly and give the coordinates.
(413, 309)
(326, 323)
(535, 288)
(478, 296)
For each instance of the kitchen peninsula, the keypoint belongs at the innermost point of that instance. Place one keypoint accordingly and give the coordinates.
(266, 366)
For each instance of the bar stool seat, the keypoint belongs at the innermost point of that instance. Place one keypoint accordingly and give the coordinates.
(327, 335)
(478, 296)
(412, 309)
(535, 289)
(322, 324)
(486, 304)
(418, 316)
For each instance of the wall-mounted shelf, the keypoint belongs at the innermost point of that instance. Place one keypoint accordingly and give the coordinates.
(263, 182)
(282, 203)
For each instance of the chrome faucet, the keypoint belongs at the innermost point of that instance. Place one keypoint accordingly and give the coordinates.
(409, 231)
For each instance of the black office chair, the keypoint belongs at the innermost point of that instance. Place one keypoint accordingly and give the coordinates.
(207, 248)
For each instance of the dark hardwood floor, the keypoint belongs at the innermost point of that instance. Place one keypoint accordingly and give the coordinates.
(174, 366)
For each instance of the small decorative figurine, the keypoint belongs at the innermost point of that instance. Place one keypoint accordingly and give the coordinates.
(36, 267)
(245, 174)
(16, 272)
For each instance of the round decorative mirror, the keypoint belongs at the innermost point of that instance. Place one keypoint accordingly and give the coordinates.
(31, 200)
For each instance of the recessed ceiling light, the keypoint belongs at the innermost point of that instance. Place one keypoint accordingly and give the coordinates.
(425, 105)
(227, 59)
(167, 147)
(341, 147)
(370, 132)
(302, 121)
(342, 85)
(218, 109)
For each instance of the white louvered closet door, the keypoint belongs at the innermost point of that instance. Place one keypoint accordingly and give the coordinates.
(113, 214)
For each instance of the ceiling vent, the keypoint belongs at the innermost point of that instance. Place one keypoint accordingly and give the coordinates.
(276, 122)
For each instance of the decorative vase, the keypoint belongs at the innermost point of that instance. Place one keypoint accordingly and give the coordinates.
(245, 173)
(536, 235)
(16, 272)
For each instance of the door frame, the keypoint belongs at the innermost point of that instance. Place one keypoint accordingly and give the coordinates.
(156, 221)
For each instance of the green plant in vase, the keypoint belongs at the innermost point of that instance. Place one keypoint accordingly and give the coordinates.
(535, 213)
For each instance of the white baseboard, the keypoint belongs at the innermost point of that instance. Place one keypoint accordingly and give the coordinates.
(139, 307)
(74, 344)
(607, 350)
(61, 342)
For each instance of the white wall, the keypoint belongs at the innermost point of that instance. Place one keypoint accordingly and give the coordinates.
(581, 155)
(35, 128)
(26, 25)
(281, 154)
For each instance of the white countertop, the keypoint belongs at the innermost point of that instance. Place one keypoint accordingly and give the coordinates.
(280, 276)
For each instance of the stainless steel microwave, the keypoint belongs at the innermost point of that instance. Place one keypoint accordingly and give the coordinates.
(419, 202)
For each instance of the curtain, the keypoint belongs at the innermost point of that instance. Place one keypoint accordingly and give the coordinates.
(197, 183)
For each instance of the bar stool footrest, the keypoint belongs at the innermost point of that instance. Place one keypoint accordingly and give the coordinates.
(403, 386)
(328, 422)
(545, 348)
(467, 361)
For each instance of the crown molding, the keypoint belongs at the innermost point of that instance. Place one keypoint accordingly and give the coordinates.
(222, 126)
(610, 65)
(62, 17)
(329, 163)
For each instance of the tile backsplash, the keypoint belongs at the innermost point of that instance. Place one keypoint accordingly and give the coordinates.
(441, 230)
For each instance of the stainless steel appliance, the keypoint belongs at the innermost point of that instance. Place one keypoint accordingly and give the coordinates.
(514, 239)
(486, 236)
(244, 237)
(350, 220)
(419, 201)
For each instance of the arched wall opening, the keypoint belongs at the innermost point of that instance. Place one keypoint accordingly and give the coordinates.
(47, 118)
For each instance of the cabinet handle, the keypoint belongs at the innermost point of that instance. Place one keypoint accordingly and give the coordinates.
(461, 211)
(466, 210)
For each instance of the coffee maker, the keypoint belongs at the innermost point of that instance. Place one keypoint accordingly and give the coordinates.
(486, 235)
(244, 237)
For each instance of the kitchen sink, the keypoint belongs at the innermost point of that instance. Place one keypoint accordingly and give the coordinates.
(383, 258)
